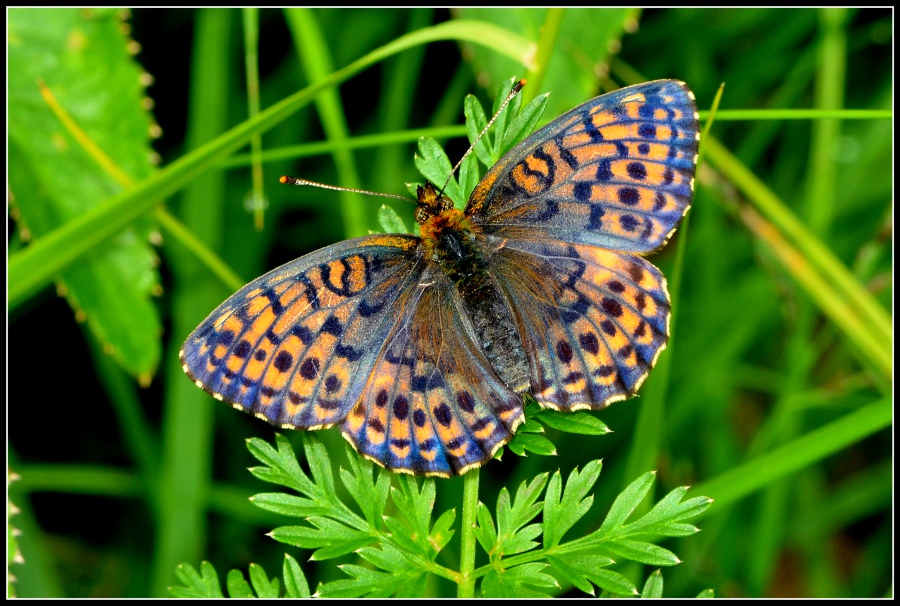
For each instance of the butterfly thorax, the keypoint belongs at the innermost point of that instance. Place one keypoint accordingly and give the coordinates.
(450, 240)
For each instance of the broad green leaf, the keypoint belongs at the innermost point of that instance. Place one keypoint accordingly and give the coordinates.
(400, 534)
(665, 516)
(82, 58)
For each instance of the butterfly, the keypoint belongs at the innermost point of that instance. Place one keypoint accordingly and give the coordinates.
(423, 347)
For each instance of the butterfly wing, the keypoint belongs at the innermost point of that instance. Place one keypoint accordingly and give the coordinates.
(566, 215)
(616, 172)
(296, 346)
(365, 325)
(433, 405)
(592, 321)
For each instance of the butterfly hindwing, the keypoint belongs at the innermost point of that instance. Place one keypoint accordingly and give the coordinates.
(296, 346)
(616, 172)
(592, 321)
(432, 404)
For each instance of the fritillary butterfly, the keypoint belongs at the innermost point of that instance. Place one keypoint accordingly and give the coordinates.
(422, 348)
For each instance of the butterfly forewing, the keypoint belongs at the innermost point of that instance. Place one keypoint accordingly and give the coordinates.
(295, 346)
(616, 172)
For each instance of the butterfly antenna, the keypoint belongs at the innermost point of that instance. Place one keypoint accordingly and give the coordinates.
(298, 181)
(512, 93)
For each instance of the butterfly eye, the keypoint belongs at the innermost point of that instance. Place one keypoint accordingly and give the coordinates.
(422, 214)
(446, 203)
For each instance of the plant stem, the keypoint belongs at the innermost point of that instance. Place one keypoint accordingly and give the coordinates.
(466, 587)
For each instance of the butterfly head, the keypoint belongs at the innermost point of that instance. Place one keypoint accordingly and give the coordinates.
(430, 203)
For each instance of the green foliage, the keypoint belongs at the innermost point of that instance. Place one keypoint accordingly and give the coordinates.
(205, 584)
(54, 180)
(526, 558)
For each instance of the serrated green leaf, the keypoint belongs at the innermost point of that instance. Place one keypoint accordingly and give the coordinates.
(237, 585)
(442, 530)
(319, 463)
(203, 584)
(412, 588)
(263, 587)
(641, 551)
(516, 447)
(522, 540)
(82, 57)
(522, 125)
(281, 465)
(561, 513)
(579, 422)
(388, 558)
(531, 426)
(400, 534)
(665, 516)
(626, 503)
(581, 570)
(675, 530)
(503, 118)
(653, 588)
(469, 175)
(613, 582)
(532, 443)
(295, 585)
(416, 505)
(371, 583)
(476, 120)
(289, 505)
(390, 221)
(518, 582)
(485, 531)
(435, 166)
(513, 536)
(370, 496)
(571, 574)
(333, 538)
